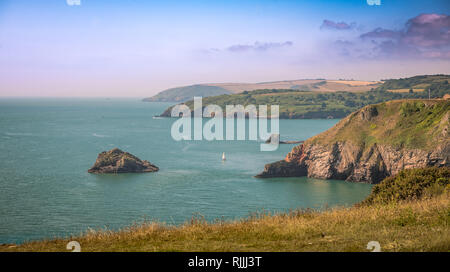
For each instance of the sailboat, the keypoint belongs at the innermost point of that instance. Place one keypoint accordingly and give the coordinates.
(223, 156)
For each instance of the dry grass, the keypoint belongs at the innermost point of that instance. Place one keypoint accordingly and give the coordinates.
(334, 86)
(278, 94)
(330, 86)
(240, 87)
(356, 82)
(410, 226)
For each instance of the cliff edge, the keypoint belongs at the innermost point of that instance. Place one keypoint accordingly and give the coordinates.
(372, 143)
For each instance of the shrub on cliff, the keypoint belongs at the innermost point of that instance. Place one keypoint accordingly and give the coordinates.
(411, 184)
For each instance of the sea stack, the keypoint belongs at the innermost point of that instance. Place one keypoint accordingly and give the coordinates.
(117, 161)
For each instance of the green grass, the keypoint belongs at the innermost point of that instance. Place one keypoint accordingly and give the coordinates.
(420, 124)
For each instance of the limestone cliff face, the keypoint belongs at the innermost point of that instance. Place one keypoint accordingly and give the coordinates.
(364, 155)
(346, 161)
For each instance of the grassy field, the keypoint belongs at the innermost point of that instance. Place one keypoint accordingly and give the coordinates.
(185, 93)
(422, 225)
(314, 100)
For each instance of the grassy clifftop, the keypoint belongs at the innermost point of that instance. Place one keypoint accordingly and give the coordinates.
(402, 123)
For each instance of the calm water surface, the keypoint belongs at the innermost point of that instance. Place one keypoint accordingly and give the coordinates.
(47, 145)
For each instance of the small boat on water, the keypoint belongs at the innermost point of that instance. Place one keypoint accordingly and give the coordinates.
(223, 156)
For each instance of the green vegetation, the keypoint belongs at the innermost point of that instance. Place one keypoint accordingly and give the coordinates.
(397, 223)
(420, 124)
(411, 184)
(182, 94)
(296, 104)
(437, 83)
(306, 104)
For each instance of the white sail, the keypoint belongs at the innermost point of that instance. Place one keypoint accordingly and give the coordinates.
(223, 156)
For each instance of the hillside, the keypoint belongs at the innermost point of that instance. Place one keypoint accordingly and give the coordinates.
(182, 94)
(410, 124)
(411, 223)
(374, 142)
(185, 93)
(308, 103)
(422, 83)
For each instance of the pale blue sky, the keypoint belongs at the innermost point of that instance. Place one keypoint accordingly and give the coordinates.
(138, 48)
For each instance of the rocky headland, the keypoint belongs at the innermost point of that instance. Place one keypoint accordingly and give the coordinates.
(372, 143)
(118, 161)
(276, 138)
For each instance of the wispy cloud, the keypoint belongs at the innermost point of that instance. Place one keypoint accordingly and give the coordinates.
(258, 46)
(426, 36)
(241, 48)
(330, 25)
(381, 33)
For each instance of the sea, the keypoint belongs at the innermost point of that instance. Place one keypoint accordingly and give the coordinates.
(48, 144)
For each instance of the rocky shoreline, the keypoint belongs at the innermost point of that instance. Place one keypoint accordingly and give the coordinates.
(276, 138)
(344, 153)
(345, 161)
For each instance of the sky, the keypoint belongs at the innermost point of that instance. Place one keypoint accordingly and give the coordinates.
(137, 48)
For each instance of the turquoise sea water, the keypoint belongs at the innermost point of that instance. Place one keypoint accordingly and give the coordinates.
(47, 145)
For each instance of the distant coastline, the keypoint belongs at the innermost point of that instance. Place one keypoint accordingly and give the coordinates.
(314, 103)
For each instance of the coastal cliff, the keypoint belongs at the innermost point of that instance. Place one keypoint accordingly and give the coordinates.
(372, 143)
